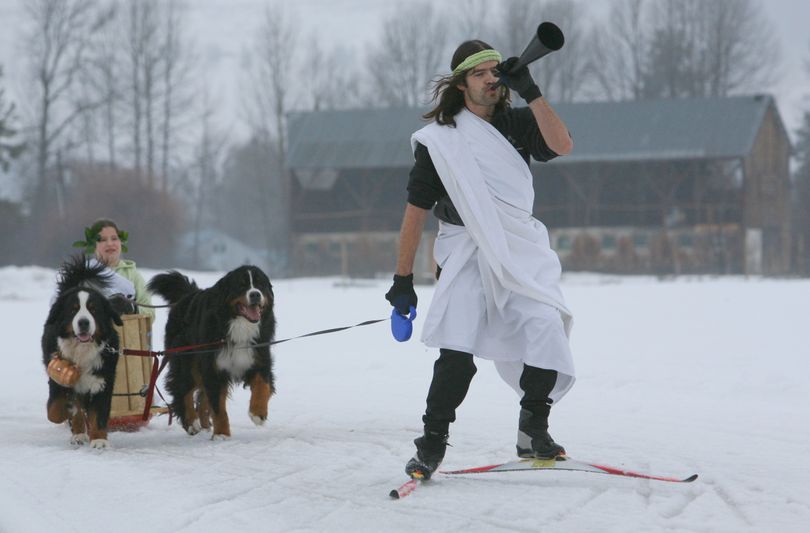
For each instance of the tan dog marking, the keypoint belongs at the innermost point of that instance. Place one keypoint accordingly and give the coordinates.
(58, 410)
(260, 392)
(95, 432)
(191, 425)
(204, 410)
(203, 405)
(78, 423)
(222, 425)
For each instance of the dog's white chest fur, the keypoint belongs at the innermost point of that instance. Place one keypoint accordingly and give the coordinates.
(87, 357)
(237, 355)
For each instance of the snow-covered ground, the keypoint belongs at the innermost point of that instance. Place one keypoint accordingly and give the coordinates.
(676, 377)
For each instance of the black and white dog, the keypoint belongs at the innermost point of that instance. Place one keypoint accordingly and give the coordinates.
(79, 338)
(238, 311)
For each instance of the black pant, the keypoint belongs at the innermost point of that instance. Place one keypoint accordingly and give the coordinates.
(453, 372)
(537, 384)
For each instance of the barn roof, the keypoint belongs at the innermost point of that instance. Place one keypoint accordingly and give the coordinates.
(693, 128)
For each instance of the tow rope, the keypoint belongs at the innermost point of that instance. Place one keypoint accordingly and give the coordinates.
(211, 347)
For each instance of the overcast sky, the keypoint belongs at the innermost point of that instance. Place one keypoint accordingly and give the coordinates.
(223, 29)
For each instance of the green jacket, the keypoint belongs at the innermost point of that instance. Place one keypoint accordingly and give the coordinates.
(126, 268)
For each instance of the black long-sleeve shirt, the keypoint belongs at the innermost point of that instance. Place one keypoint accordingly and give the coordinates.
(425, 188)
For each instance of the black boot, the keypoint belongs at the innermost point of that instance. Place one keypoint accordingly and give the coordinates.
(533, 438)
(430, 449)
(452, 374)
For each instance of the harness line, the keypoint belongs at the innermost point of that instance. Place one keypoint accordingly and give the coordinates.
(157, 367)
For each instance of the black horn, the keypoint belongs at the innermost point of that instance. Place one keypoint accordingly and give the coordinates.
(548, 38)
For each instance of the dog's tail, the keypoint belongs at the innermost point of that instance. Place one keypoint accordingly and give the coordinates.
(172, 286)
(80, 271)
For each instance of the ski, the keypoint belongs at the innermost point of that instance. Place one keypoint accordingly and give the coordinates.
(563, 463)
(560, 463)
(407, 487)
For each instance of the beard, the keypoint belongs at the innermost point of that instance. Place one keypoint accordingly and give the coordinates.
(485, 97)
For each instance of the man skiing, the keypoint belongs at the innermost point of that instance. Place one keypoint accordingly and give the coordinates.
(497, 296)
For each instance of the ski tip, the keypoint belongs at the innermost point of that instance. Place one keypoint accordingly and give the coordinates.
(394, 494)
(690, 478)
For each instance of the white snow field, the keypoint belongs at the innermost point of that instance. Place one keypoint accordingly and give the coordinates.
(679, 376)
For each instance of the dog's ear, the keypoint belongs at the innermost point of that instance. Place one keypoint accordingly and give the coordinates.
(262, 282)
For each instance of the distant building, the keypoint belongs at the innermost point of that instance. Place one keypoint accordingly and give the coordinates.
(660, 186)
(217, 251)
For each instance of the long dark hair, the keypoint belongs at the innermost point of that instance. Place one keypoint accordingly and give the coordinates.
(448, 97)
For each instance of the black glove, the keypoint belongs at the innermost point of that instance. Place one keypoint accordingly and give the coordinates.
(401, 295)
(520, 81)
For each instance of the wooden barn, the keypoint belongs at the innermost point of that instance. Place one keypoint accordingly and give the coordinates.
(659, 186)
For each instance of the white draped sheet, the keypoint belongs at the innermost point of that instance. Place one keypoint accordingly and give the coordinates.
(498, 296)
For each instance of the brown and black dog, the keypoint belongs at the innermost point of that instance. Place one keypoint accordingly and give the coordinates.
(237, 310)
(80, 352)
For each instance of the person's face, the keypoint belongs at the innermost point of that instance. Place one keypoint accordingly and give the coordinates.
(108, 246)
(480, 87)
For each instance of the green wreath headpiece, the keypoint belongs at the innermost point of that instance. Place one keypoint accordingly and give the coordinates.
(91, 235)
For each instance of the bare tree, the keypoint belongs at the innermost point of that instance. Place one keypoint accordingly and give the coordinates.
(155, 68)
(85, 132)
(518, 24)
(743, 47)
(563, 74)
(178, 66)
(204, 170)
(681, 48)
(332, 81)
(621, 50)
(258, 197)
(57, 43)
(106, 61)
(411, 53)
(271, 74)
(142, 56)
(473, 19)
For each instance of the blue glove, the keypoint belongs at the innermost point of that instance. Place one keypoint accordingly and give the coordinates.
(401, 295)
(520, 81)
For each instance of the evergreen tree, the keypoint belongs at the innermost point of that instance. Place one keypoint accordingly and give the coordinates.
(8, 148)
(802, 148)
(802, 192)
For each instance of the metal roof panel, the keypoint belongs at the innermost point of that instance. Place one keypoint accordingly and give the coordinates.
(602, 131)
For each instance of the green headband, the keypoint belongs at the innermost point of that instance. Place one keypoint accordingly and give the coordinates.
(91, 235)
(476, 59)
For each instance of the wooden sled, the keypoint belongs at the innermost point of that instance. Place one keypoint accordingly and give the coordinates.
(132, 376)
